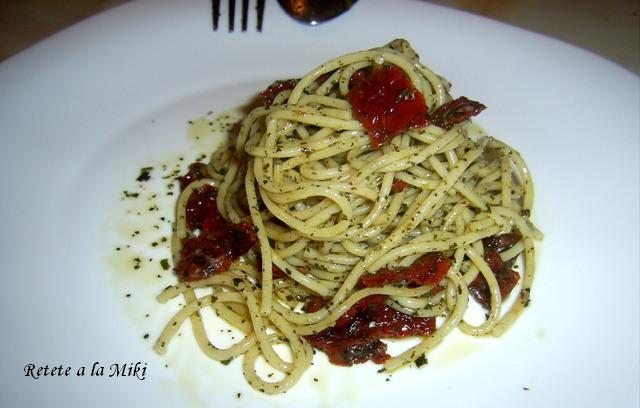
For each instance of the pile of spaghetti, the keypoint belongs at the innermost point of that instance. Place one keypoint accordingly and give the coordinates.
(352, 207)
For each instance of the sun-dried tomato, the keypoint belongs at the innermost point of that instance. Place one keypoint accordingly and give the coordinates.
(386, 103)
(456, 111)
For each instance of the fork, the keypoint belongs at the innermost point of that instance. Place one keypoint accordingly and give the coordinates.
(215, 8)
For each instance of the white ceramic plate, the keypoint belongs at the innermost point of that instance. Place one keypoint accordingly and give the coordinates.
(82, 111)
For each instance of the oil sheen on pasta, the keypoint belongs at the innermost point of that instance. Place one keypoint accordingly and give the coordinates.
(353, 206)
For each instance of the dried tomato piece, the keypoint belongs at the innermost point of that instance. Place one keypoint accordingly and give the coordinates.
(349, 316)
(380, 278)
(347, 352)
(201, 258)
(276, 273)
(355, 337)
(268, 95)
(202, 208)
(456, 111)
(348, 343)
(426, 270)
(197, 171)
(506, 277)
(398, 185)
(501, 242)
(218, 242)
(390, 323)
(386, 103)
(241, 237)
(313, 304)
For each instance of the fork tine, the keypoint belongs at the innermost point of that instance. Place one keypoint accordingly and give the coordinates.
(215, 11)
(245, 14)
(232, 14)
(260, 10)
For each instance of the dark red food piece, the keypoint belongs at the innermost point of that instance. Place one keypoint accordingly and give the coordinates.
(390, 323)
(314, 303)
(322, 78)
(348, 317)
(276, 273)
(196, 171)
(386, 103)
(501, 242)
(348, 351)
(398, 185)
(201, 258)
(506, 277)
(218, 243)
(268, 95)
(426, 270)
(202, 209)
(355, 337)
(456, 111)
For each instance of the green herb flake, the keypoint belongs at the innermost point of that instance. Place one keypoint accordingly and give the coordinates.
(145, 174)
(128, 194)
(422, 360)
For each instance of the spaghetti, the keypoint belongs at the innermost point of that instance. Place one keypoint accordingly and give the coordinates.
(355, 205)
